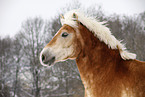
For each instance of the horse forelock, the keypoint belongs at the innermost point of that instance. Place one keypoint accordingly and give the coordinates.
(102, 32)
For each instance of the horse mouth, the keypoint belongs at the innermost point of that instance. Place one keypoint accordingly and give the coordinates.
(48, 62)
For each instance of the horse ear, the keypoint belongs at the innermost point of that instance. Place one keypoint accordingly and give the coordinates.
(75, 17)
(61, 16)
(61, 19)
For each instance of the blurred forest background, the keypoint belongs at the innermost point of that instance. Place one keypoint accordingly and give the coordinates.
(21, 74)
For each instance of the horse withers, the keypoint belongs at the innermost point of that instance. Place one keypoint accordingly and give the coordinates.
(106, 68)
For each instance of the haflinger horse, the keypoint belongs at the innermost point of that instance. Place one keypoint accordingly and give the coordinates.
(106, 68)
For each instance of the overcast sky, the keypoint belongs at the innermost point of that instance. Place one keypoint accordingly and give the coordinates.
(14, 12)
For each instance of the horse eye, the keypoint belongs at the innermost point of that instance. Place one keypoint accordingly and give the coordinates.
(64, 34)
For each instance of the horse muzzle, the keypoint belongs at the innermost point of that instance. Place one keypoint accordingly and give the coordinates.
(46, 58)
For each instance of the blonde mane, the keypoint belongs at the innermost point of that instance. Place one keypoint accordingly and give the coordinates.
(100, 31)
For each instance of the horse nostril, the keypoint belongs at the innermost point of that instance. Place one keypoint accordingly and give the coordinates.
(43, 57)
(53, 58)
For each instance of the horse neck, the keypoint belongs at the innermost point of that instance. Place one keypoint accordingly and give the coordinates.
(95, 55)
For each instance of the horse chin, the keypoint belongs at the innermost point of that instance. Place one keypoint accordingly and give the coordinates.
(49, 64)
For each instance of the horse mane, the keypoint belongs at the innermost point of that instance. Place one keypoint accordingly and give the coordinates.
(100, 31)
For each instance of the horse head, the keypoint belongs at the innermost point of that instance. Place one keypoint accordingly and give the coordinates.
(65, 45)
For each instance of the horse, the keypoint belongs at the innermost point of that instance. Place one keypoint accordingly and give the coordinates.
(106, 68)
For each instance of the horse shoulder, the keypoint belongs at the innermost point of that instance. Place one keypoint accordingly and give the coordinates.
(137, 69)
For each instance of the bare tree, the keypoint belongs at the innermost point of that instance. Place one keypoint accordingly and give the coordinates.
(130, 30)
(5, 69)
(33, 36)
(17, 56)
